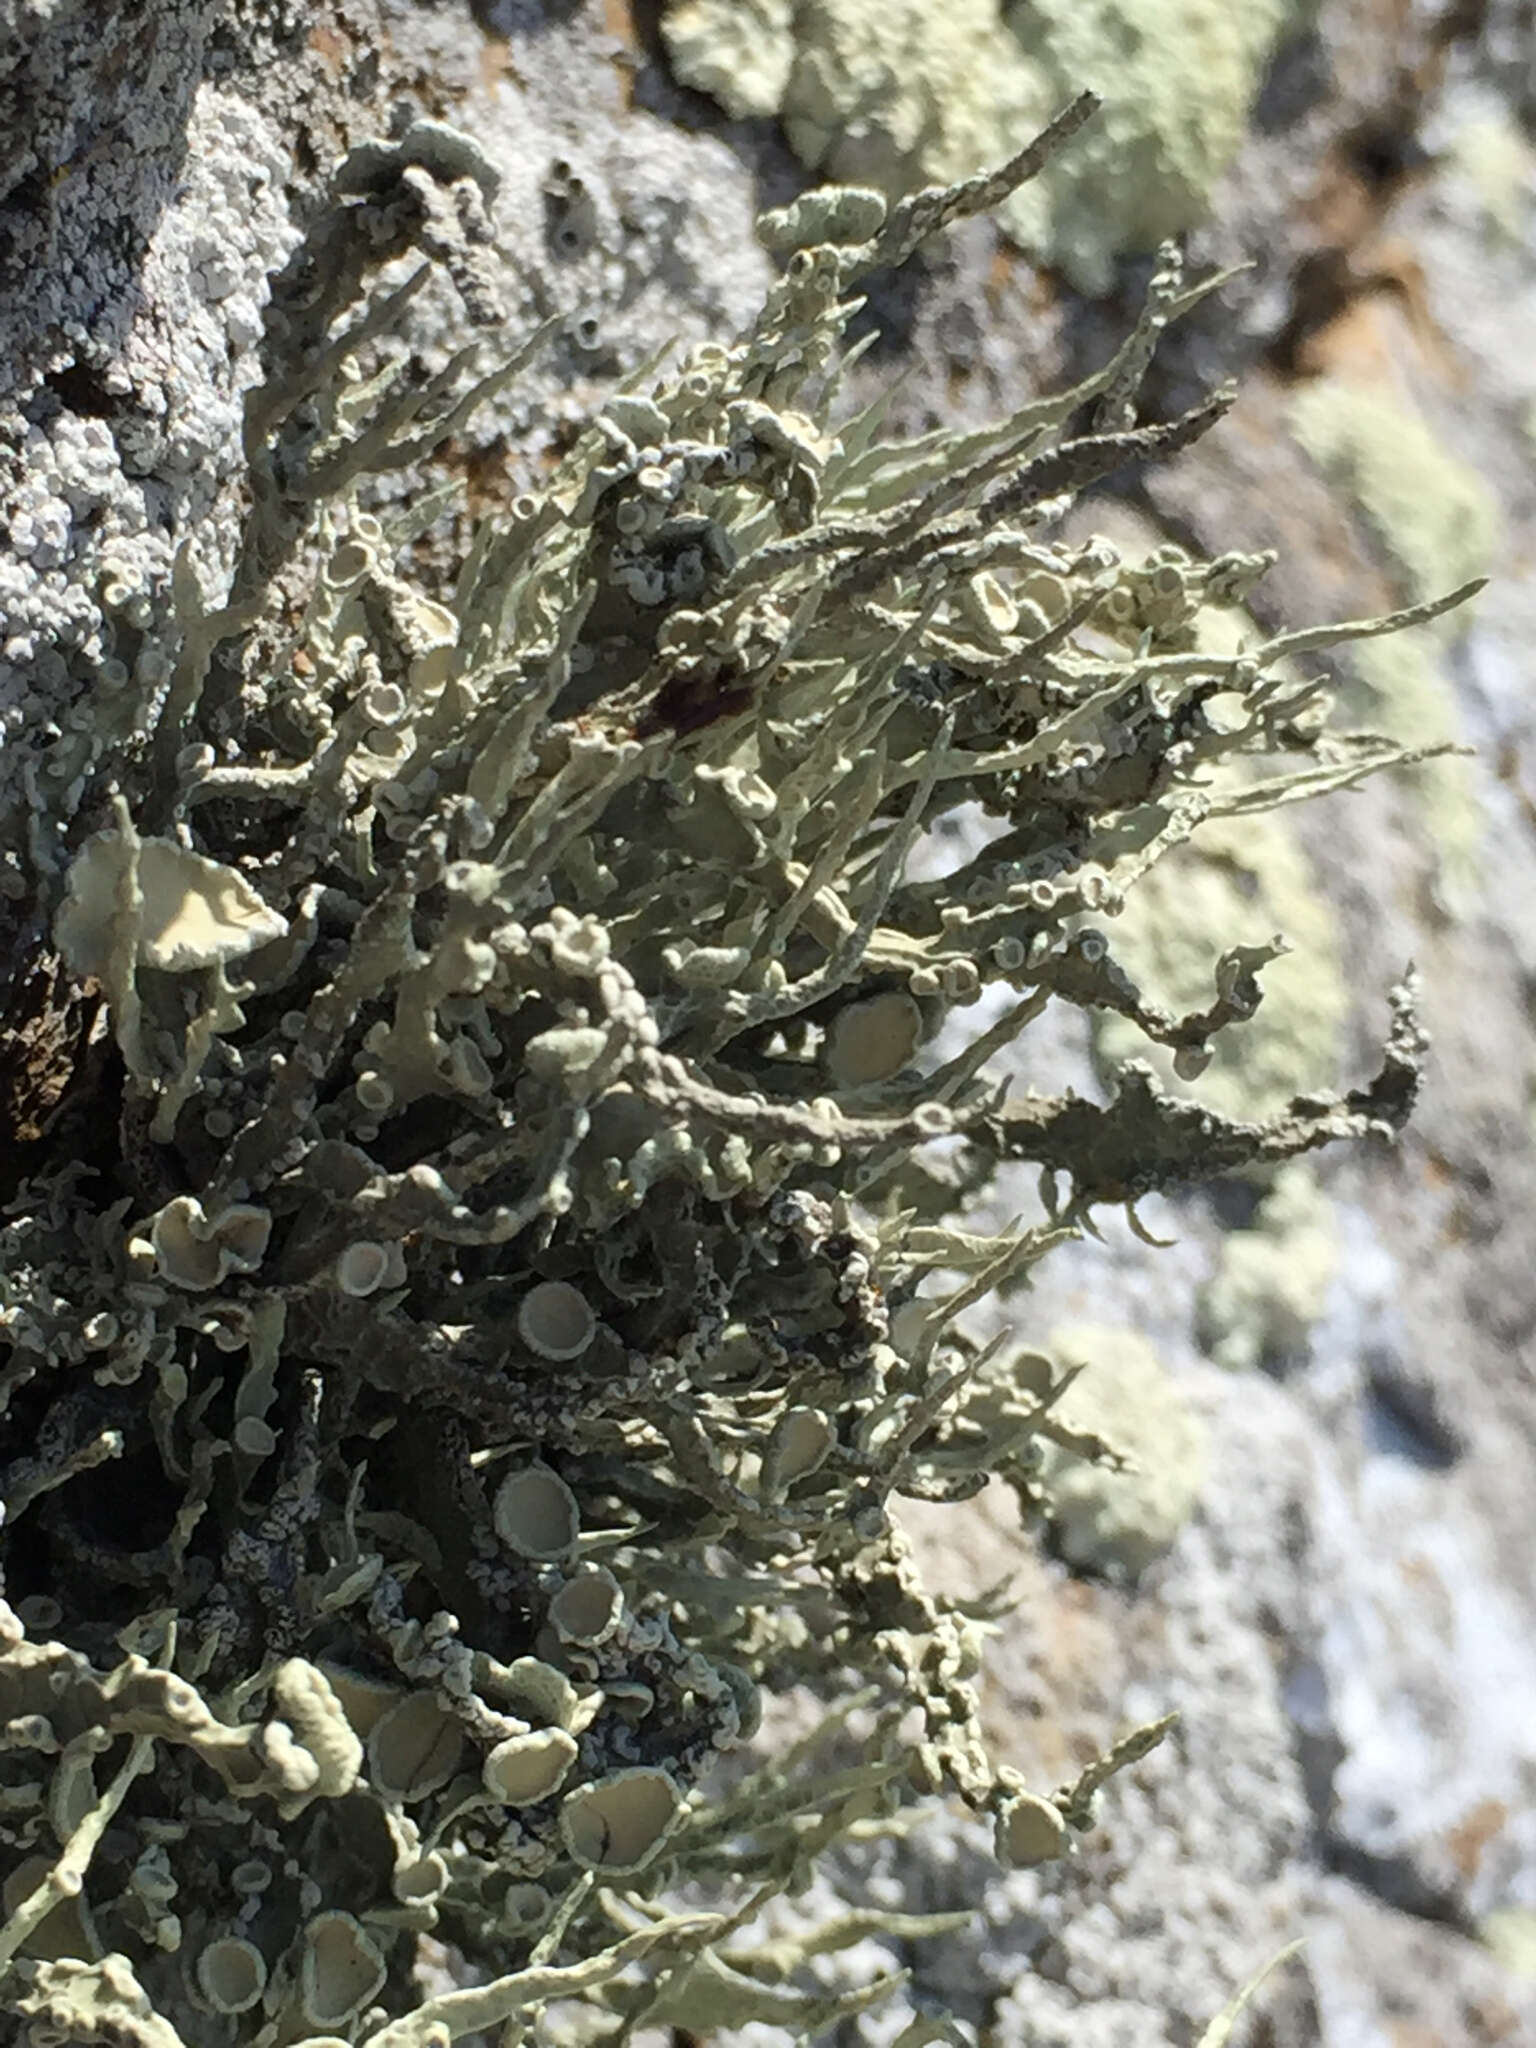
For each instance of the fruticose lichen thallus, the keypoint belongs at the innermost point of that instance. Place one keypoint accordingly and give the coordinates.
(448, 1361)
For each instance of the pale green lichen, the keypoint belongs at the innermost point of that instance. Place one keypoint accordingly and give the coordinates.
(1273, 1278)
(1178, 79)
(906, 94)
(1430, 511)
(504, 1310)
(740, 52)
(1406, 689)
(1250, 881)
(1432, 516)
(897, 93)
(1122, 1508)
(1510, 1931)
(1497, 161)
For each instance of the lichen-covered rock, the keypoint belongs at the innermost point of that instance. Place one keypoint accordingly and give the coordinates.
(741, 52)
(1428, 510)
(1119, 1512)
(1178, 78)
(1273, 1280)
(132, 334)
(904, 94)
(1249, 879)
(547, 1179)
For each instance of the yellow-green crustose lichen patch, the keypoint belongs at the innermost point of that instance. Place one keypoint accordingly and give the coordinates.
(1499, 164)
(1273, 1279)
(900, 93)
(1431, 512)
(894, 95)
(1248, 879)
(1118, 1517)
(740, 52)
(1510, 1931)
(1178, 80)
(1413, 701)
(1435, 521)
